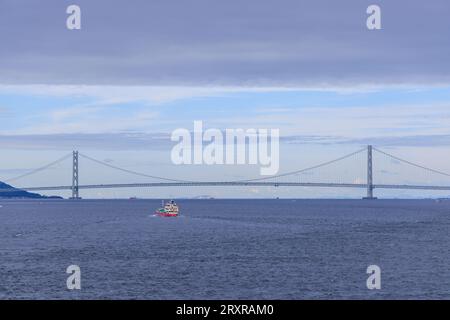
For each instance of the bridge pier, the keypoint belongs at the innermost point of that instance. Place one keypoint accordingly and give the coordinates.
(369, 175)
(75, 190)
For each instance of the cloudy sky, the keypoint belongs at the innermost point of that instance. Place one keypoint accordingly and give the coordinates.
(138, 70)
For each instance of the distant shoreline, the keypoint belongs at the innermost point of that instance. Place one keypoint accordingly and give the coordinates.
(221, 199)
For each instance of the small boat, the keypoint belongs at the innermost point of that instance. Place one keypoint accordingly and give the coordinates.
(169, 209)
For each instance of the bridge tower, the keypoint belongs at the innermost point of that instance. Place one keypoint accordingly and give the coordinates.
(369, 174)
(75, 194)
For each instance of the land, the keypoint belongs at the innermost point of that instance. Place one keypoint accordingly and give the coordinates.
(9, 192)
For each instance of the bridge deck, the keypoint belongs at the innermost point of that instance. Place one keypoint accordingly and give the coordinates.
(237, 184)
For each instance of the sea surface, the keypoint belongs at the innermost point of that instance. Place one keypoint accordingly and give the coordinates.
(225, 249)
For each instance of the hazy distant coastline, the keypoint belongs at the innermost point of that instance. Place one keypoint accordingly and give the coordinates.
(9, 192)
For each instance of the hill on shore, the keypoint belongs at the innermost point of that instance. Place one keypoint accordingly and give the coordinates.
(9, 192)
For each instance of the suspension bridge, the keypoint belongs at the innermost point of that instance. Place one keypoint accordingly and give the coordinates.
(289, 179)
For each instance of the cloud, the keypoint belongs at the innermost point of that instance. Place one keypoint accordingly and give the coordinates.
(154, 95)
(406, 141)
(4, 112)
(118, 141)
(161, 141)
(288, 43)
(91, 122)
(352, 122)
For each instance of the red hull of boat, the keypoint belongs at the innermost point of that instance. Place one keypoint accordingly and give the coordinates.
(166, 214)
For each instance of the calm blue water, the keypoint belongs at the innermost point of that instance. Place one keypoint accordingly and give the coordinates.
(225, 249)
